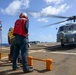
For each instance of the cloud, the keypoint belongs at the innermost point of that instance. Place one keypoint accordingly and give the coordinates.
(50, 11)
(43, 19)
(54, 10)
(35, 14)
(15, 7)
(53, 1)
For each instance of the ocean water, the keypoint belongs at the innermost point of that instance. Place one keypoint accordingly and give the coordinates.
(4, 44)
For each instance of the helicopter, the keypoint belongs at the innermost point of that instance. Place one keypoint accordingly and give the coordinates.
(66, 34)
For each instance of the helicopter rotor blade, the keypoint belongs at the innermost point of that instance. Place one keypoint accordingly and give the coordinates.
(55, 23)
(57, 16)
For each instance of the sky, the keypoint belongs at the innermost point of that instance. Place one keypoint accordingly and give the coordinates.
(38, 13)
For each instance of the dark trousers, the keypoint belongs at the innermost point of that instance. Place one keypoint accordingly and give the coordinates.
(11, 49)
(20, 44)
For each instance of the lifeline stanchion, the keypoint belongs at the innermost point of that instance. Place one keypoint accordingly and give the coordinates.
(48, 62)
(0, 56)
(0, 38)
(30, 60)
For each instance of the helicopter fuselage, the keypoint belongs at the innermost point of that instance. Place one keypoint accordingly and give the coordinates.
(67, 34)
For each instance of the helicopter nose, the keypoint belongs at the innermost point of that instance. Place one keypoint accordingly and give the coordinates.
(61, 35)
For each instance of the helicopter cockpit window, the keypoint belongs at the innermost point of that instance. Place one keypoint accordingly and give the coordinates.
(61, 28)
(67, 28)
(70, 28)
(74, 27)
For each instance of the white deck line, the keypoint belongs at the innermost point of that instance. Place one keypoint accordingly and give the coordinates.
(33, 51)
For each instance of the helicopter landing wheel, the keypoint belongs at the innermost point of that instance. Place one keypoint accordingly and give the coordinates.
(62, 45)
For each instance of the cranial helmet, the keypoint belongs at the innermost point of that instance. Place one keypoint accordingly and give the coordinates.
(10, 28)
(23, 15)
